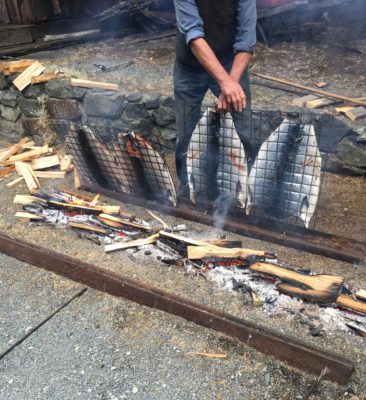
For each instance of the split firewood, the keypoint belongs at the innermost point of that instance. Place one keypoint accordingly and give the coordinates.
(230, 244)
(199, 252)
(15, 66)
(323, 288)
(15, 182)
(27, 217)
(183, 239)
(66, 163)
(352, 304)
(50, 174)
(24, 79)
(119, 222)
(361, 294)
(28, 174)
(95, 210)
(28, 155)
(25, 200)
(10, 151)
(133, 243)
(94, 85)
(48, 76)
(45, 162)
(87, 227)
(209, 355)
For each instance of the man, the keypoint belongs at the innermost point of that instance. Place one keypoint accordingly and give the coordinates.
(214, 46)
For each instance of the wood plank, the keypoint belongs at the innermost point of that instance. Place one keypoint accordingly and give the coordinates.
(15, 182)
(199, 252)
(28, 174)
(28, 155)
(352, 304)
(356, 113)
(13, 150)
(184, 239)
(50, 174)
(48, 76)
(45, 162)
(94, 85)
(24, 79)
(320, 288)
(133, 243)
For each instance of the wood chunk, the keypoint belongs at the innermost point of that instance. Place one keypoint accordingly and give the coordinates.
(50, 174)
(24, 79)
(324, 288)
(45, 162)
(361, 294)
(27, 217)
(28, 155)
(321, 84)
(87, 227)
(356, 113)
(318, 103)
(183, 239)
(25, 200)
(12, 184)
(352, 304)
(133, 243)
(301, 101)
(28, 174)
(105, 218)
(9, 152)
(66, 163)
(7, 171)
(48, 76)
(199, 252)
(19, 66)
(343, 109)
(94, 85)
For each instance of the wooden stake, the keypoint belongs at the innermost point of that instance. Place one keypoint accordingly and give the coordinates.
(309, 89)
(133, 243)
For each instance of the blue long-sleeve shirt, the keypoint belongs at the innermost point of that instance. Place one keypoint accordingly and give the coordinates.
(190, 23)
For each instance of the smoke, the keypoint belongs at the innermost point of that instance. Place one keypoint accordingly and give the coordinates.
(222, 206)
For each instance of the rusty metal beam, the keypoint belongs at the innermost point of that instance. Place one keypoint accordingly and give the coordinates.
(312, 241)
(287, 349)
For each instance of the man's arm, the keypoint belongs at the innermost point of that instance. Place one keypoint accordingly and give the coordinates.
(232, 92)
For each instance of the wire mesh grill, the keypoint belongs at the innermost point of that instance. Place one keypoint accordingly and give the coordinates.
(255, 165)
(119, 161)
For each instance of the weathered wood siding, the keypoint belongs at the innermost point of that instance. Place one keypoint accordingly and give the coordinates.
(33, 11)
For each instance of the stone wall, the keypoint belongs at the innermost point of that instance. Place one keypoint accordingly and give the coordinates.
(31, 112)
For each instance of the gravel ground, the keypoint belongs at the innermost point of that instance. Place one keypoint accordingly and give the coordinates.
(175, 280)
(100, 347)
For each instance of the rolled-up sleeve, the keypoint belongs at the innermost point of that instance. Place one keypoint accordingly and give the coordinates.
(246, 36)
(189, 21)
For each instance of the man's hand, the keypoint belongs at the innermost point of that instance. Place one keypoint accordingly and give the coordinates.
(232, 96)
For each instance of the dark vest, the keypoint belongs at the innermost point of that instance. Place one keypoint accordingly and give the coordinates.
(220, 23)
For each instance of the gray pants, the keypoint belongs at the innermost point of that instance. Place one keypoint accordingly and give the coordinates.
(190, 87)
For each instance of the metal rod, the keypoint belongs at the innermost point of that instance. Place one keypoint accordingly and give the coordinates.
(312, 241)
(287, 349)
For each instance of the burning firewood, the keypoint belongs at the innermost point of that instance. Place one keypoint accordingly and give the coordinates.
(352, 304)
(183, 239)
(117, 222)
(318, 288)
(231, 244)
